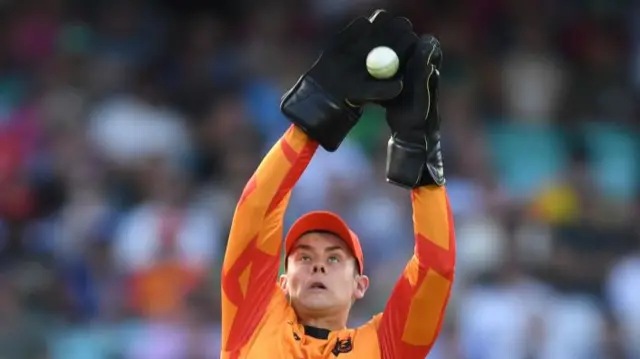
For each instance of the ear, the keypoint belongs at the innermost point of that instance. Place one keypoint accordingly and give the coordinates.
(282, 281)
(362, 284)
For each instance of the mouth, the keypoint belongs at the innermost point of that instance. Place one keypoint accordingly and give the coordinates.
(317, 286)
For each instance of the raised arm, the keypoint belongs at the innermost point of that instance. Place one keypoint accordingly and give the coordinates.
(252, 258)
(413, 316)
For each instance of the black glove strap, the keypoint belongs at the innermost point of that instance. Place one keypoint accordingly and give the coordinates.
(407, 165)
(324, 119)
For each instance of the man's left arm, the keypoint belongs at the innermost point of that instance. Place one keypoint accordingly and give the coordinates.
(413, 316)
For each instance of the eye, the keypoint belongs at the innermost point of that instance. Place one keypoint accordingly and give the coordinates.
(334, 259)
(305, 258)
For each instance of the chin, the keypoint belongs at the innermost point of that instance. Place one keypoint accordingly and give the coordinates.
(318, 302)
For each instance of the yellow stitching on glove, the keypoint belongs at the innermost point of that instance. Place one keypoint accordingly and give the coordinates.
(429, 78)
(429, 91)
(350, 104)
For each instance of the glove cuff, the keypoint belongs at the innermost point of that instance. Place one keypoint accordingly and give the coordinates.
(407, 165)
(323, 118)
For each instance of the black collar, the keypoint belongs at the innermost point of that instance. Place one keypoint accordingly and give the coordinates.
(315, 332)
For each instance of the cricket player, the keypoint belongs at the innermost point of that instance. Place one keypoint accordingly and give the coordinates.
(304, 313)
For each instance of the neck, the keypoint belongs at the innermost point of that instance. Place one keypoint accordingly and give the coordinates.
(324, 320)
(324, 323)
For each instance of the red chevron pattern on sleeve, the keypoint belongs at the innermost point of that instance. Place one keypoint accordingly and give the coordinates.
(413, 316)
(252, 257)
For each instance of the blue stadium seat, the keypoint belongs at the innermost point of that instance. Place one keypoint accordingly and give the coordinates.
(526, 156)
(614, 149)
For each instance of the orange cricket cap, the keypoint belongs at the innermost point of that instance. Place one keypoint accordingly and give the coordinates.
(326, 222)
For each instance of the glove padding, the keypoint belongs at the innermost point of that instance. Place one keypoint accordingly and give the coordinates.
(326, 101)
(414, 156)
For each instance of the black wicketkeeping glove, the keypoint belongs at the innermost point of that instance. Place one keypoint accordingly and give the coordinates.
(326, 101)
(414, 156)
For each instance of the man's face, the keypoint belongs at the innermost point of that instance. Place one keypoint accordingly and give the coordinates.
(322, 274)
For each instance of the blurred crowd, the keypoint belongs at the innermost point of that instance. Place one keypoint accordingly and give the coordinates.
(128, 129)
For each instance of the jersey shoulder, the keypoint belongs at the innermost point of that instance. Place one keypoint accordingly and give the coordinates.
(374, 322)
(365, 341)
(368, 329)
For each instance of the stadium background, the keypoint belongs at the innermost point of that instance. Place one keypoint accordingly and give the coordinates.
(128, 128)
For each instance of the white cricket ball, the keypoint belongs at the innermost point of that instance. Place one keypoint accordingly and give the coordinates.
(382, 62)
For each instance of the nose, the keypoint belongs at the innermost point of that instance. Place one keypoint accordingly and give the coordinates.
(318, 268)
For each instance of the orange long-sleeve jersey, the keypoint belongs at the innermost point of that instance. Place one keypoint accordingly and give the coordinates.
(257, 320)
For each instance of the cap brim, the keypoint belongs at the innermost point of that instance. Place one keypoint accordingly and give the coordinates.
(315, 222)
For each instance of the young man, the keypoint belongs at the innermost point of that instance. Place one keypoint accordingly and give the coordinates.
(305, 315)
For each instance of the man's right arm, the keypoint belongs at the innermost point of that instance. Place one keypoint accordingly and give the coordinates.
(252, 257)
